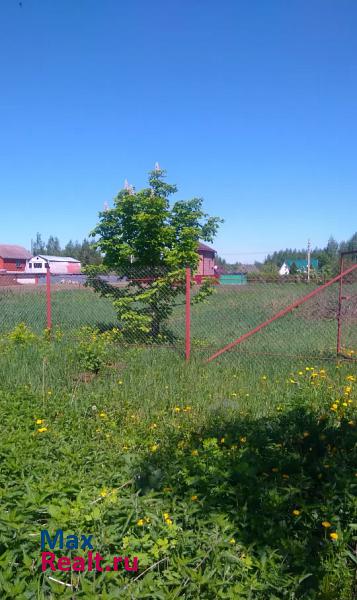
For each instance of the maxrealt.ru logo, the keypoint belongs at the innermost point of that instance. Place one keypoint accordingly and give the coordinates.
(78, 563)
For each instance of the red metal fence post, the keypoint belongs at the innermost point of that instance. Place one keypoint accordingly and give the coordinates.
(339, 308)
(48, 298)
(188, 313)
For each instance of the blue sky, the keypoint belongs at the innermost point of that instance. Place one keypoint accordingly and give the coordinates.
(251, 105)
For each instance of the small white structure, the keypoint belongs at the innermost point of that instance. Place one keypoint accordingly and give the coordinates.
(59, 265)
(284, 269)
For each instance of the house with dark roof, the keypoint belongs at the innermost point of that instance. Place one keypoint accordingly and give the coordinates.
(13, 258)
(206, 266)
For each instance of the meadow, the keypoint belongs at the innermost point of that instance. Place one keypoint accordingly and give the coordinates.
(235, 479)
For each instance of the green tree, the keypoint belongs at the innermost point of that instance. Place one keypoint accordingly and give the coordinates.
(38, 246)
(142, 236)
(293, 270)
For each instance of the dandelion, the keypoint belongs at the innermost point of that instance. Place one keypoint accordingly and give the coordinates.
(177, 409)
(153, 426)
(296, 512)
(334, 535)
(292, 381)
(232, 541)
(187, 409)
(168, 522)
(49, 393)
(40, 421)
(140, 522)
(243, 440)
(300, 372)
(264, 377)
(120, 382)
(42, 430)
(222, 440)
(194, 498)
(334, 406)
(154, 448)
(351, 378)
(326, 524)
(103, 415)
(104, 492)
(194, 453)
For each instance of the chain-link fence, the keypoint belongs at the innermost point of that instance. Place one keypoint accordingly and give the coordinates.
(286, 317)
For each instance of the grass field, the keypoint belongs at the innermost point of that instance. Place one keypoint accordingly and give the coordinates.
(233, 310)
(231, 480)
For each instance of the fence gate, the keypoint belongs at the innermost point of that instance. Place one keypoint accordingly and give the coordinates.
(308, 320)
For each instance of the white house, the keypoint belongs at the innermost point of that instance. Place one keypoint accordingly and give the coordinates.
(284, 269)
(59, 265)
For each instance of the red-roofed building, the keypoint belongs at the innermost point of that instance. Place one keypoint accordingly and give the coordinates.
(206, 266)
(13, 258)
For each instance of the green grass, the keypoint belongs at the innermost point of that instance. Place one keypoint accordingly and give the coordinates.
(309, 330)
(194, 468)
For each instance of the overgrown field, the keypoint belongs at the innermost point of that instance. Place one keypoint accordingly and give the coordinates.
(234, 480)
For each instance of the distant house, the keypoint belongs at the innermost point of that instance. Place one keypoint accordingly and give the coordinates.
(13, 258)
(301, 265)
(206, 266)
(58, 265)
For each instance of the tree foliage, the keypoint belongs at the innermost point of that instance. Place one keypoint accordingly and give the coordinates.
(150, 242)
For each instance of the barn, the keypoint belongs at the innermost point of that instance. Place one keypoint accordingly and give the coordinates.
(13, 258)
(58, 265)
(206, 266)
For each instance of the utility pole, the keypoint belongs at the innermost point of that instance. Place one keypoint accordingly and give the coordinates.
(308, 260)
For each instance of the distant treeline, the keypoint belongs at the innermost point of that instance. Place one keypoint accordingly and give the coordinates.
(328, 257)
(83, 251)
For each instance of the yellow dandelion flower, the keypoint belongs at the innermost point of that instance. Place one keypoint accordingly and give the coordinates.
(334, 406)
(194, 453)
(40, 421)
(187, 409)
(264, 377)
(104, 492)
(177, 409)
(103, 415)
(166, 515)
(194, 498)
(334, 535)
(153, 426)
(42, 429)
(49, 393)
(222, 440)
(140, 522)
(168, 522)
(326, 524)
(243, 440)
(154, 448)
(232, 541)
(300, 372)
(296, 512)
(351, 378)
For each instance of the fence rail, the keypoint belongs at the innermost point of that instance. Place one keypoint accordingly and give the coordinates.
(286, 317)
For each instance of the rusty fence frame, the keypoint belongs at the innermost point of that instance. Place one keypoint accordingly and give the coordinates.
(284, 311)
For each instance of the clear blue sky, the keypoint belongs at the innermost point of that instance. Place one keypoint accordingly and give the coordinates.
(251, 105)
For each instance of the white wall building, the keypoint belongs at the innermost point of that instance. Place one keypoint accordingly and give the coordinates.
(59, 265)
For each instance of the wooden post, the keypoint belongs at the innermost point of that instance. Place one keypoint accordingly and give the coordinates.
(188, 313)
(48, 298)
